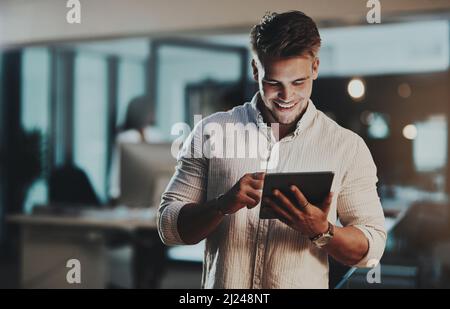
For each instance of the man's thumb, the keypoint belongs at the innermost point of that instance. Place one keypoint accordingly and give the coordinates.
(326, 205)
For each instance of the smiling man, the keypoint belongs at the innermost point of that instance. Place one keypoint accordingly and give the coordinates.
(218, 199)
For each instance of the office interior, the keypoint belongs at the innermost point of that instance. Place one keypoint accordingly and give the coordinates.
(76, 182)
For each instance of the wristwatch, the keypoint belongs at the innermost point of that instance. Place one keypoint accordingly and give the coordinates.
(323, 239)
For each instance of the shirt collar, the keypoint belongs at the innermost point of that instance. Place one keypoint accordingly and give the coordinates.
(303, 123)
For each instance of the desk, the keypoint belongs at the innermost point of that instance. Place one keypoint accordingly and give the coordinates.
(49, 241)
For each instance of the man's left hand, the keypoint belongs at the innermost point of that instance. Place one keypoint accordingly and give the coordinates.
(309, 219)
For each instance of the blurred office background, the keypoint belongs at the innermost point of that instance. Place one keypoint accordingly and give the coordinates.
(87, 112)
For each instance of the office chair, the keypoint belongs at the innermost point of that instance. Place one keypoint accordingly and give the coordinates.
(69, 185)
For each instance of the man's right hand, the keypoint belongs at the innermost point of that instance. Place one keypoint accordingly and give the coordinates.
(245, 193)
(197, 221)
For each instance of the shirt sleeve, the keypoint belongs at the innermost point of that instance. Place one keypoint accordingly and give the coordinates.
(358, 203)
(187, 185)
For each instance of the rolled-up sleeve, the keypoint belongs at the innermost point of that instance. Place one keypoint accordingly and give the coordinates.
(187, 185)
(359, 205)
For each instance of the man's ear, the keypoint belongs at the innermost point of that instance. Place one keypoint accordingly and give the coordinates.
(315, 68)
(255, 70)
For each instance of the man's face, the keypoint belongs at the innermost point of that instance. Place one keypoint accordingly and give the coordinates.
(285, 85)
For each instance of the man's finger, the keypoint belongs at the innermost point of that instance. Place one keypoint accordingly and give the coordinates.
(248, 201)
(301, 199)
(252, 202)
(284, 201)
(256, 183)
(259, 175)
(254, 194)
(326, 205)
(278, 209)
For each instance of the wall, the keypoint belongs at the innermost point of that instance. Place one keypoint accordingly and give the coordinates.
(33, 21)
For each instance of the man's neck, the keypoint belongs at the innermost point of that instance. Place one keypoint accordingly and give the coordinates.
(286, 129)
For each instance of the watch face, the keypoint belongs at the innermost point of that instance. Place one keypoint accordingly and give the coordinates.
(322, 241)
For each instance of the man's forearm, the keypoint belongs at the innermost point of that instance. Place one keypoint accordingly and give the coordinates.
(197, 221)
(348, 246)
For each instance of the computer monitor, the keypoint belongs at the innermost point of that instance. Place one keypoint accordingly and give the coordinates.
(145, 171)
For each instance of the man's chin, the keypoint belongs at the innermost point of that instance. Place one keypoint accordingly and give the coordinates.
(285, 122)
(284, 119)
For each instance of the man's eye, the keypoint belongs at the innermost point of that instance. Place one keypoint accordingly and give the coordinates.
(299, 83)
(271, 83)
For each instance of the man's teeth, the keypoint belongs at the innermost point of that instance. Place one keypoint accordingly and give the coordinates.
(285, 105)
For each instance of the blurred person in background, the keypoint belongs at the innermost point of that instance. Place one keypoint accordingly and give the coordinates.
(138, 128)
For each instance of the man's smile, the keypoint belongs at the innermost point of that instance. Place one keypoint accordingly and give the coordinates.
(285, 106)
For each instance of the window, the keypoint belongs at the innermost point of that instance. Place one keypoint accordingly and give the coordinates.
(390, 48)
(35, 89)
(131, 84)
(35, 113)
(177, 67)
(1, 150)
(90, 123)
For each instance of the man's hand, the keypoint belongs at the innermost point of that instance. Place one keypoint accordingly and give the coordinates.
(245, 193)
(197, 221)
(310, 220)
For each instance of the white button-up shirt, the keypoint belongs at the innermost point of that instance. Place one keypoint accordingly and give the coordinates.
(244, 251)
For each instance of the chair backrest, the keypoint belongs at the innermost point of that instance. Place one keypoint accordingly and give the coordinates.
(70, 185)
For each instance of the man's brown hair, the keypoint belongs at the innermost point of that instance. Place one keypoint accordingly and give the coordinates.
(285, 35)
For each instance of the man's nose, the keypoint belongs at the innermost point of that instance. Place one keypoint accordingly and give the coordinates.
(285, 94)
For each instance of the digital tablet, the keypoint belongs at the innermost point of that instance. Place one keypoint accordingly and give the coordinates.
(315, 186)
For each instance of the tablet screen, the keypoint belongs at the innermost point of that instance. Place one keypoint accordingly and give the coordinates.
(315, 186)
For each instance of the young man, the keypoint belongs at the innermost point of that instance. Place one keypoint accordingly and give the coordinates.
(218, 198)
